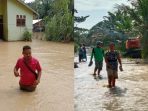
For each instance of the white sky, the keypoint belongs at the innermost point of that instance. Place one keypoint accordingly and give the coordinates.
(29, 1)
(96, 9)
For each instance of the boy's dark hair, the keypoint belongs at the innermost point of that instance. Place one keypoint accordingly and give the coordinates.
(26, 47)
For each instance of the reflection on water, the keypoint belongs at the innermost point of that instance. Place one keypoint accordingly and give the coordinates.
(130, 93)
(117, 91)
(55, 92)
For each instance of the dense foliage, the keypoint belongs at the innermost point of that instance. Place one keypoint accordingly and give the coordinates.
(125, 22)
(58, 18)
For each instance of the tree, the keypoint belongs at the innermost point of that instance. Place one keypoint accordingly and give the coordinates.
(116, 25)
(139, 14)
(58, 18)
(79, 32)
(43, 7)
(60, 26)
(130, 21)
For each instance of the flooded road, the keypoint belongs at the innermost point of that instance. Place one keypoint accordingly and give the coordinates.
(130, 93)
(55, 91)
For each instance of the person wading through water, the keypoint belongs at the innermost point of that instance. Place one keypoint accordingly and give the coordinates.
(98, 54)
(28, 66)
(112, 57)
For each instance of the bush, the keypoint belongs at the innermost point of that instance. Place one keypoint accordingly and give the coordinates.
(27, 36)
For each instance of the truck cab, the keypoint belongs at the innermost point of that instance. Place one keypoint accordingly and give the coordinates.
(133, 48)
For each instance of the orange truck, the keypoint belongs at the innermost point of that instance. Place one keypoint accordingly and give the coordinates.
(133, 43)
(133, 48)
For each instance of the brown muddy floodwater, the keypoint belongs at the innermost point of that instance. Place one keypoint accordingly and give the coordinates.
(55, 91)
(130, 94)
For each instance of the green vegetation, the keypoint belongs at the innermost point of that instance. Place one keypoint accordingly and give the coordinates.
(80, 34)
(27, 36)
(60, 26)
(123, 23)
(118, 26)
(58, 18)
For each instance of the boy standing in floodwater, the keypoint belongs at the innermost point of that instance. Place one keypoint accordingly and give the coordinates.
(28, 66)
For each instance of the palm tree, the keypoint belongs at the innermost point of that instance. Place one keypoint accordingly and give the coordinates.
(132, 19)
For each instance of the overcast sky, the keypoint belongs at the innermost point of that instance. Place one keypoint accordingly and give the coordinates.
(28, 1)
(96, 9)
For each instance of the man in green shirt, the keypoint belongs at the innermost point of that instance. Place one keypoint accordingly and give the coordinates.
(98, 54)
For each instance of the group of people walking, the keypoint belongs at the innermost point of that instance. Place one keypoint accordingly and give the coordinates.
(112, 58)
